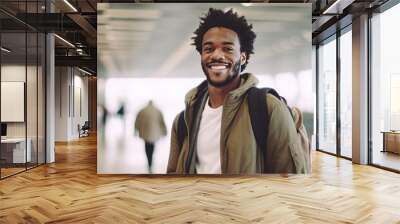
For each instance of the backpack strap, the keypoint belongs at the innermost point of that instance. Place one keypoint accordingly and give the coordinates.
(273, 92)
(258, 111)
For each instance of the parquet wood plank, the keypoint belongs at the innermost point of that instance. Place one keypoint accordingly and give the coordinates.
(70, 191)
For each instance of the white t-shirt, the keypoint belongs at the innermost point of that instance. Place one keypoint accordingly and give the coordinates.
(208, 141)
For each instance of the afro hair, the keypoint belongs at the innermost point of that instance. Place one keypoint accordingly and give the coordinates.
(229, 20)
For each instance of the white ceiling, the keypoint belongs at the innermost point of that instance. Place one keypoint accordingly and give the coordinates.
(153, 40)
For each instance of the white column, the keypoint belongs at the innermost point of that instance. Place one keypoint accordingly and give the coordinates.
(50, 99)
(62, 103)
(50, 92)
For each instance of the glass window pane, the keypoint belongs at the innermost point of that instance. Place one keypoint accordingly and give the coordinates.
(13, 86)
(31, 97)
(23, 85)
(31, 86)
(385, 85)
(327, 96)
(346, 94)
(41, 98)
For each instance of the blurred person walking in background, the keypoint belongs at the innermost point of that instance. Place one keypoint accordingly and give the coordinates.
(151, 127)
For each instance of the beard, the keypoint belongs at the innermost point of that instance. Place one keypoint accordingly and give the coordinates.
(233, 74)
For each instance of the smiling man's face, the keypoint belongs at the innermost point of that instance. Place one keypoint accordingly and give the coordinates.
(220, 56)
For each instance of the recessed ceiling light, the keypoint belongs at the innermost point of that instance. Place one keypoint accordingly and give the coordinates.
(247, 4)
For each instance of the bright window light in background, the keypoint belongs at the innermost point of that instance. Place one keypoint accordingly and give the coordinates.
(327, 96)
(247, 4)
(395, 86)
(287, 86)
(390, 67)
(346, 94)
(385, 89)
(305, 101)
(266, 80)
(298, 88)
(395, 102)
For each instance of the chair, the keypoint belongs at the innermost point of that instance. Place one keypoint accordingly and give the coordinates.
(84, 130)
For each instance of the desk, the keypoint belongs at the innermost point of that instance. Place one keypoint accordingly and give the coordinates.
(15, 148)
(391, 141)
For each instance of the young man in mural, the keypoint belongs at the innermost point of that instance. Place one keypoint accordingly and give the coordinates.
(216, 134)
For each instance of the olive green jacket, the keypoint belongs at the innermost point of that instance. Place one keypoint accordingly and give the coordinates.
(239, 151)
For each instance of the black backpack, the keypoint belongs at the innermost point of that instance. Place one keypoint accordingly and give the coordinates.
(258, 115)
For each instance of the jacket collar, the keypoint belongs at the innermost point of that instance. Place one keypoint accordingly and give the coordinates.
(247, 80)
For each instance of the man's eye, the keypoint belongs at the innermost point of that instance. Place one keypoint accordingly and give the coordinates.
(207, 49)
(229, 49)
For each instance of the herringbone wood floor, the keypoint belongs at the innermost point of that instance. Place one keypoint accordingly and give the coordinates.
(70, 191)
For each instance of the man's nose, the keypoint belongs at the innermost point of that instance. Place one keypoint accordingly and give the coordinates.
(217, 54)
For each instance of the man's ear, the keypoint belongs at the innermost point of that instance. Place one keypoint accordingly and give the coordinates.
(243, 58)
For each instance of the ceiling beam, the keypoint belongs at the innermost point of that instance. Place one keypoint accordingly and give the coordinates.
(82, 61)
(85, 25)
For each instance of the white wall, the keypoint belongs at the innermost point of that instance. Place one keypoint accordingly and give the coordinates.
(17, 73)
(61, 103)
(13, 73)
(70, 83)
(80, 109)
(33, 125)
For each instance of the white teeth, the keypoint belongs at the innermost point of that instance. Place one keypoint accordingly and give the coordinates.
(218, 67)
